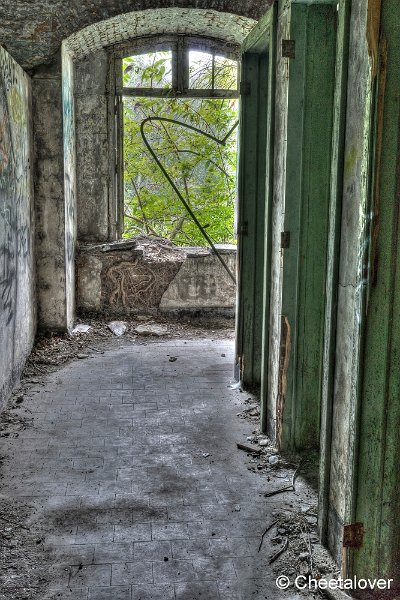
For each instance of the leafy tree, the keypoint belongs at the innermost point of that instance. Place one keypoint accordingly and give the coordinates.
(203, 170)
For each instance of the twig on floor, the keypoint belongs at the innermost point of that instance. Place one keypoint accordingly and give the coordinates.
(287, 488)
(95, 349)
(334, 594)
(265, 532)
(311, 553)
(307, 541)
(281, 550)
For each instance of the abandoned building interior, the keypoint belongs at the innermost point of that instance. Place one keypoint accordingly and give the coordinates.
(311, 90)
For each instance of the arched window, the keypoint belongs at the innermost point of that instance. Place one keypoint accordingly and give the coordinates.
(185, 91)
(178, 66)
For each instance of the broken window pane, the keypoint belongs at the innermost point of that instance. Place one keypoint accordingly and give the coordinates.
(150, 70)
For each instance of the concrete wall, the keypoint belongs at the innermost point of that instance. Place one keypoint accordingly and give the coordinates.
(128, 277)
(17, 284)
(49, 196)
(92, 147)
(55, 196)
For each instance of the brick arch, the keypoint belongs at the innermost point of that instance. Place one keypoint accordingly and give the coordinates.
(229, 27)
(33, 31)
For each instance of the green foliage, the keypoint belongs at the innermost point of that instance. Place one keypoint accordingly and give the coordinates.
(203, 170)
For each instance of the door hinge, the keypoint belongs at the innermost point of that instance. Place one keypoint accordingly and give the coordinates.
(243, 229)
(288, 49)
(353, 535)
(285, 239)
(245, 88)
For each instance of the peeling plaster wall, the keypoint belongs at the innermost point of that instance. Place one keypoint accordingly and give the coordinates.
(136, 279)
(17, 283)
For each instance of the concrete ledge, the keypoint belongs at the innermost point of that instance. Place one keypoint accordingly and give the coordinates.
(151, 275)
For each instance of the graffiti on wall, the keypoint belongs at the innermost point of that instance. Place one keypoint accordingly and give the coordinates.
(16, 205)
(15, 184)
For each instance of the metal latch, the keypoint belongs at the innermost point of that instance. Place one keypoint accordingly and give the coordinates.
(285, 239)
(288, 49)
(353, 535)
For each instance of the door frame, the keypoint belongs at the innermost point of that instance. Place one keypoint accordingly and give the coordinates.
(255, 188)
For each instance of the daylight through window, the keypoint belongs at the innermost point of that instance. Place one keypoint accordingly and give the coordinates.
(172, 88)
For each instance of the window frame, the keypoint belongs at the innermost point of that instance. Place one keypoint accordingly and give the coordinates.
(180, 45)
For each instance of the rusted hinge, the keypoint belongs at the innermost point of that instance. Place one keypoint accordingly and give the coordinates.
(353, 535)
(288, 49)
(285, 239)
(245, 88)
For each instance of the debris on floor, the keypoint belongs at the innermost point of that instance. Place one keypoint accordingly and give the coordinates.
(151, 329)
(80, 328)
(21, 577)
(290, 542)
(117, 327)
(52, 350)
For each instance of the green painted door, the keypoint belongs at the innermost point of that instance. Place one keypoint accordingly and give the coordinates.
(254, 191)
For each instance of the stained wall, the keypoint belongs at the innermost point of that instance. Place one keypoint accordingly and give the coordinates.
(17, 284)
(149, 277)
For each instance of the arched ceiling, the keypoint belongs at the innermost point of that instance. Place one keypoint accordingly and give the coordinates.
(32, 30)
(230, 28)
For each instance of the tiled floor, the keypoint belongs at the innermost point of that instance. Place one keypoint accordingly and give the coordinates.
(131, 463)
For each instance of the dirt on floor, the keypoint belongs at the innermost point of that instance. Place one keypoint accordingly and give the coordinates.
(292, 535)
(290, 539)
(53, 349)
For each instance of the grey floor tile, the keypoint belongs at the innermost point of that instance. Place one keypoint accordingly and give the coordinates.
(153, 592)
(127, 507)
(118, 592)
(203, 590)
(132, 573)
